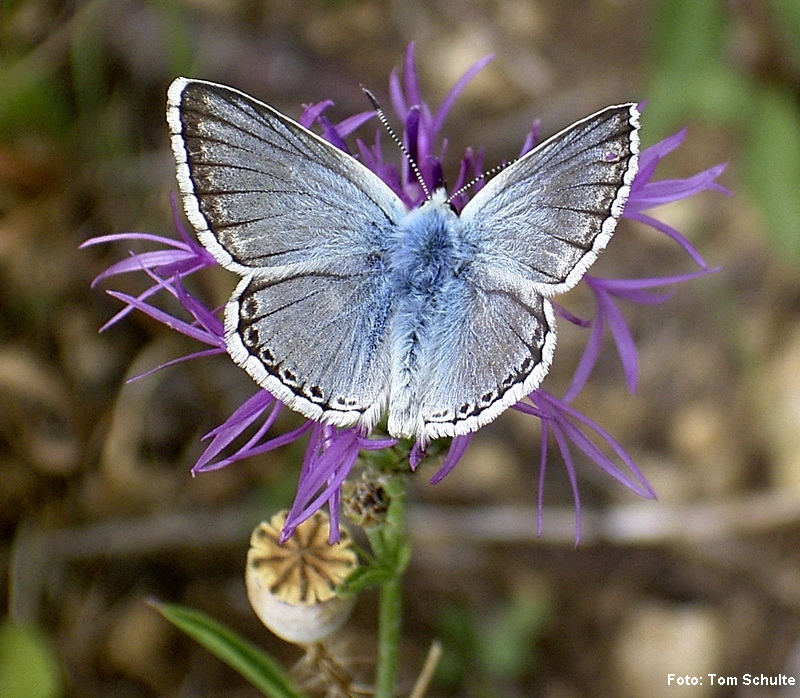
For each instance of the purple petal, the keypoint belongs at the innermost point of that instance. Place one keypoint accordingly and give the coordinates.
(531, 139)
(588, 359)
(330, 134)
(312, 112)
(269, 445)
(649, 157)
(334, 507)
(562, 414)
(120, 237)
(652, 194)
(206, 319)
(411, 84)
(416, 455)
(329, 458)
(223, 435)
(561, 311)
(545, 437)
(173, 323)
(458, 446)
(144, 260)
(566, 455)
(455, 92)
(396, 95)
(672, 233)
(625, 287)
(626, 347)
(179, 360)
(346, 126)
(326, 471)
(411, 140)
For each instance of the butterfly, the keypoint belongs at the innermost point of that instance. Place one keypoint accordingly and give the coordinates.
(351, 306)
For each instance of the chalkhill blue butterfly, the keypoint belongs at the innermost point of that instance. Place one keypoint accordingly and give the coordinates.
(351, 306)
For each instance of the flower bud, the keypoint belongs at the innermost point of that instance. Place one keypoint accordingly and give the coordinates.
(365, 501)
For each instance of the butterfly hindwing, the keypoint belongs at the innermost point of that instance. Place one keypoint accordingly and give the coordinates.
(317, 342)
(486, 345)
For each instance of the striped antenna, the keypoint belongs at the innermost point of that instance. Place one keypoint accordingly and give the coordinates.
(396, 139)
(479, 178)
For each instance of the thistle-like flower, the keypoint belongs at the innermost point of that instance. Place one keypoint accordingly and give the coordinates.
(332, 451)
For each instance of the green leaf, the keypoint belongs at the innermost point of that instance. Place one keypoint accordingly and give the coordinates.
(365, 577)
(258, 668)
(28, 666)
(508, 640)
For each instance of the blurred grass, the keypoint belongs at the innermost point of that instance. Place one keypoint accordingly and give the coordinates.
(502, 648)
(694, 73)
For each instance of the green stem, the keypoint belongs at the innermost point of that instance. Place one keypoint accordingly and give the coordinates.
(388, 638)
(390, 545)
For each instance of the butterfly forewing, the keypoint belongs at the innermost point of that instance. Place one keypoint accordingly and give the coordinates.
(306, 226)
(546, 217)
(262, 191)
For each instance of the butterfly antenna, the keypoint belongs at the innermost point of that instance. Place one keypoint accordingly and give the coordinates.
(479, 178)
(396, 139)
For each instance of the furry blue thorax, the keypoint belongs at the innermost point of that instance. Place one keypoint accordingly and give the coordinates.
(428, 247)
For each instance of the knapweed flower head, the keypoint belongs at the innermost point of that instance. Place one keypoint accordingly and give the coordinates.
(332, 451)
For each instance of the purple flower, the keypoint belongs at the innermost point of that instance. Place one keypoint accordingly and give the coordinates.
(332, 451)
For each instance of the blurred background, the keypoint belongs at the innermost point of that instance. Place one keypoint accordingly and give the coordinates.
(97, 507)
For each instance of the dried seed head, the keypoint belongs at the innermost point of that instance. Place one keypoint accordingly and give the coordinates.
(292, 587)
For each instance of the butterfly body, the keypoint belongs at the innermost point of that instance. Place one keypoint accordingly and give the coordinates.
(428, 248)
(351, 306)
(427, 262)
